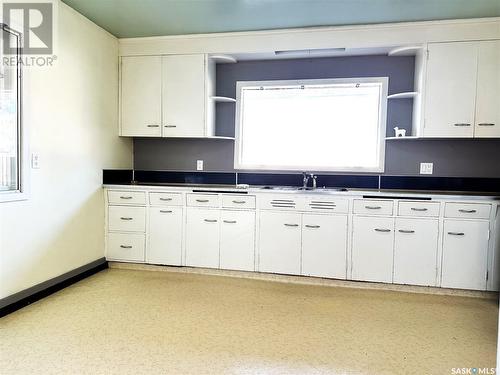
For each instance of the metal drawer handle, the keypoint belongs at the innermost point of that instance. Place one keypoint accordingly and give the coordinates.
(457, 233)
(211, 220)
(127, 197)
(170, 126)
(165, 199)
(461, 124)
(406, 231)
(313, 226)
(419, 209)
(125, 247)
(382, 230)
(230, 221)
(467, 211)
(202, 200)
(291, 225)
(486, 124)
(166, 211)
(239, 202)
(127, 218)
(153, 126)
(373, 207)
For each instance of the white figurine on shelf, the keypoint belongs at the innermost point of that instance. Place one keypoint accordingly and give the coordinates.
(400, 132)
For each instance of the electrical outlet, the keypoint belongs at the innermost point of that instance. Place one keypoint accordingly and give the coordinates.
(426, 168)
(199, 165)
(35, 160)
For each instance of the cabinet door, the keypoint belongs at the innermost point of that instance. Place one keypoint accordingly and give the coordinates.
(165, 236)
(451, 89)
(415, 251)
(488, 90)
(184, 96)
(465, 253)
(202, 238)
(237, 240)
(324, 245)
(279, 246)
(140, 102)
(372, 248)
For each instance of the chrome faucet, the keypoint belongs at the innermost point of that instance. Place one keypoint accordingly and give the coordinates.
(314, 178)
(305, 180)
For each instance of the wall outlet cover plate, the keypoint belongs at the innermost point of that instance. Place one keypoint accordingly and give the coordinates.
(426, 168)
(199, 165)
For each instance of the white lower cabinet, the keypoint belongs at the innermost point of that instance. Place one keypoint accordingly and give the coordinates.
(415, 251)
(202, 237)
(165, 236)
(372, 248)
(324, 246)
(465, 250)
(237, 240)
(280, 242)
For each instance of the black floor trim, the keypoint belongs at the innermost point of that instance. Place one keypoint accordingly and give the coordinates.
(28, 296)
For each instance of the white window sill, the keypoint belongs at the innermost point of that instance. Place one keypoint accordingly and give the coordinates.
(14, 196)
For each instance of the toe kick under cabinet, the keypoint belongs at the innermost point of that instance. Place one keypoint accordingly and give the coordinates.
(449, 241)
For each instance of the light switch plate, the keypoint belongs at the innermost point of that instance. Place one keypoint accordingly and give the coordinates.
(35, 160)
(199, 165)
(426, 168)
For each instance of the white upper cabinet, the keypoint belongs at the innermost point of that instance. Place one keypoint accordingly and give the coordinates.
(167, 96)
(140, 96)
(451, 89)
(185, 98)
(487, 123)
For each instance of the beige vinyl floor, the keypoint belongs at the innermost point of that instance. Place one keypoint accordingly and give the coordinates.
(143, 322)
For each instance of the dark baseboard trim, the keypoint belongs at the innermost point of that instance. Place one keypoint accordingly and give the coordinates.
(25, 297)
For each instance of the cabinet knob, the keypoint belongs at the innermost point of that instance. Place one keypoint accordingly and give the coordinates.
(210, 220)
(291, 225)
(456, 233)
(229, 221)
(127, 218)
(382, 230)
(418, 209)
(125, 197)
(170, 126)
(125, 246)
(153, 126)
(165, 199)
(467, 211)
(373, 207)
(202, 200)
(313, 226)
(486, 124)
(166, 211)
(239, 202)
(406, 231)
(461, 124)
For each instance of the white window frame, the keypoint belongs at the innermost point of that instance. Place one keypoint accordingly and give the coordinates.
(381, 131)
(23, 192)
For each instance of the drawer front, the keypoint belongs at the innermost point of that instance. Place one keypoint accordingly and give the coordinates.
(280, 202)
(327, 205)
(373, 207)
(467, 210)
(202, 200)
(165, 199)
(126, 197)
(422, 209)
(238, 201)
(126, 219)
(126, 246)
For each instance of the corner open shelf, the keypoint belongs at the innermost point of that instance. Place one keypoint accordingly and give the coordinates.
(407, 138)
(403, 95)
(223, 99)
(404, 51)
(224, 59)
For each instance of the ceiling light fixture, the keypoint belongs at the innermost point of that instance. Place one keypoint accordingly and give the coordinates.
(309, 52)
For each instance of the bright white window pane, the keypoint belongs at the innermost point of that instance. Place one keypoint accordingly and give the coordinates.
(9, 126)
(324, 126)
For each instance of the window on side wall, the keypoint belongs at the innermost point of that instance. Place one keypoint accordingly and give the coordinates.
(12, 183)
(320, 125)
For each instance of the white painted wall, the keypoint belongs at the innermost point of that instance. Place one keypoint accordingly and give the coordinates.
(72, 115)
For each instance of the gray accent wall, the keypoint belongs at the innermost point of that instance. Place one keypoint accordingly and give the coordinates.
(451, 157)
